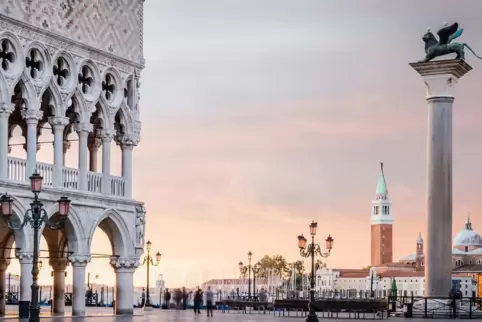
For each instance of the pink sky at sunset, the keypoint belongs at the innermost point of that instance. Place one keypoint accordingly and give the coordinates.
(260, 116)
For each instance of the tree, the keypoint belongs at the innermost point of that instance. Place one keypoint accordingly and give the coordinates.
(280, 265)
(266, 264)
(319, 264)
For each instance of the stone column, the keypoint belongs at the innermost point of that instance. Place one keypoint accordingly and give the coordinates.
(83, 129)
(94, 145)
(79, 262)
(124, 292)
(31, 118)
(58, 124)
(106, 137)
(441, 78)
(127, 148)
(58, 301)
(3, 268)
(5, 111)
(67, 145)
(26, 264)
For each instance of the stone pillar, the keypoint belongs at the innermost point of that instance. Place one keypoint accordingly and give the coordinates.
(5, 111)
(83, 129)
(3, 268)
(94, 145)
(79, 262)
(31, 118)
(106, 137)
(127, 148)
(67, 145)
(58, 124)
(26, 264)
(124, 292)
(441, 78)
(58, 301)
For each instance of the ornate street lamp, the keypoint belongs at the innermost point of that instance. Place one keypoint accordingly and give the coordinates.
(311, 251)
(256, 269)
(36, 216)
(149, 261)
(248, 270)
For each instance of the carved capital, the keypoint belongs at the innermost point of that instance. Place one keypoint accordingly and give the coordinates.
(24, 256)
(94, 143)
(58, 264)
(84, 127)
(67, 145)
(32, 116)
(127, 141)
(79, 259)
(107, 135)
(58, 122)
(124, 262)
(6, 109)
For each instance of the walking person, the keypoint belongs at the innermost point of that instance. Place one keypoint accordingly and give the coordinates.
(198, 298)
(209, 301)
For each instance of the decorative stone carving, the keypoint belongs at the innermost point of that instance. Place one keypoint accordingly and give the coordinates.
(79, 259)
(84, 127)
(58, 264)
(94, 143)
(124, 262)
(24, 256)
(31, 114)
(6, 109)
(140, 225)
(59, 121)
(107, 135)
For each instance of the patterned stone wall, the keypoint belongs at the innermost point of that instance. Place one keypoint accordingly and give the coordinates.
(113, 26)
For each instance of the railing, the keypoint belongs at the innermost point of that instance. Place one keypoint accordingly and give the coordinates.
(436, 307)
(94, 182)
(70, 178)
(117, 186)
(17, 169)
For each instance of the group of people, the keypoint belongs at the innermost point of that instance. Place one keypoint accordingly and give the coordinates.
(198, 300)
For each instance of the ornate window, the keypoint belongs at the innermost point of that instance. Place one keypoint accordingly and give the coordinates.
(7, 54)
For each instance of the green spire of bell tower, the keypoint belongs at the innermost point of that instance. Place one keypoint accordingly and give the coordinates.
(382, 184)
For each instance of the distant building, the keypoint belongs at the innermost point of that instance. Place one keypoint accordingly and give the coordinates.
(234, 286)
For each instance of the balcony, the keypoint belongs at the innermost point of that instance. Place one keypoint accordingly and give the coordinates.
(17, 169)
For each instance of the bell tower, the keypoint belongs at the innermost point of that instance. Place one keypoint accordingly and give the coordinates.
(419, 254)
(381, 224)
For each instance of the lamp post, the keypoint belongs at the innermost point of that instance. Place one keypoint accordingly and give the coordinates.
(148, 260)
(311, 251)
(256, 269)
(36, 216)
(248, 270)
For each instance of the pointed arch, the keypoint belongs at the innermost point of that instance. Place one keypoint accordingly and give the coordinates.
(104, 114)
(81, 107)
(116, 229)
(59, 108)
(29, 93)
(123, 116)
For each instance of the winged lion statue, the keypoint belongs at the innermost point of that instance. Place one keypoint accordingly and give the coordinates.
(444, 45)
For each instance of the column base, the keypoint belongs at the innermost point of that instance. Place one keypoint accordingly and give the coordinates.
(121, 311)
(23, 309)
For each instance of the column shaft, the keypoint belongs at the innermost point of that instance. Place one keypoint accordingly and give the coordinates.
(5, 111)
(3, 269)
(78, 294)
(25, 284)
(124, 292)
(31, 146)
(58, 301)
(438, 255)
(106, 149)
(58, 125)
(83, 135)
(127, 168)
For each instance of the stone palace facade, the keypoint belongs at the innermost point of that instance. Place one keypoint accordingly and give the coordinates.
(72, 68)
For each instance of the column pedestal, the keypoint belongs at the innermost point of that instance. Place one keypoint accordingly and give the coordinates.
(441, 78)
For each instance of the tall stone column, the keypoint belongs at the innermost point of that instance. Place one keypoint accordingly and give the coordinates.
(58, 124)
(83, 130)
(94, 145)
(5, 111)
(31, 118)
(441, 78)
(3, 268)
(58, 301)
(79, 262)
(106, 137)
(124, 292)
(127, 148)
(26, 280)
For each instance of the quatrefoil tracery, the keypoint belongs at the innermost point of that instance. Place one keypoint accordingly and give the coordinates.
(108, 86)
(33, 63)
(85, 79)
(61, 71)
(7, 55)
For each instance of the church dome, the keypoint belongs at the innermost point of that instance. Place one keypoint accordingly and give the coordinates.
(468, 237)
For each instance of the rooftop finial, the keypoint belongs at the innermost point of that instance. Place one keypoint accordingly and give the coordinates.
(468, 224)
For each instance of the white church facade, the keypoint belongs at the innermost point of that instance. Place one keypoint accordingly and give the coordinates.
(72, 68)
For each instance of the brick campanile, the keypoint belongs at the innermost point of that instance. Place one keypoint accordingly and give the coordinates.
(381, 224)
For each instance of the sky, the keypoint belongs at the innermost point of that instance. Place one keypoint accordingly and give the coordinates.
(261, 116)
